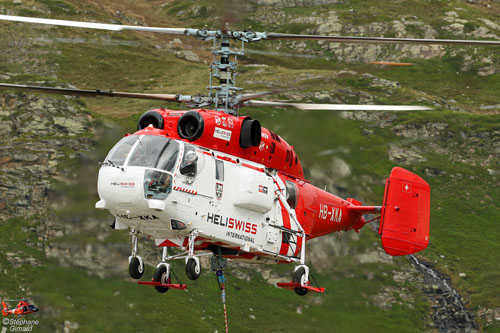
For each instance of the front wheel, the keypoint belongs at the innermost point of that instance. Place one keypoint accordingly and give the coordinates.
(162, 277)
(297, 278)
(136, 268)
(193, 269)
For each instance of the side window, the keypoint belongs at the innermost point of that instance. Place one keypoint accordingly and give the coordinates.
(189, 161)
(219, 170)
(291, 194)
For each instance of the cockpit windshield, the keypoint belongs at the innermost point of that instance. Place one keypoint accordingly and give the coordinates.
(119, 153)
(149, 151)
(155, 152)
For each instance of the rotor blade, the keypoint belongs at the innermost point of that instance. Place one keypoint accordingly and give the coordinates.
(90, 25)
(247, 97)
(89, 93)
(338, 107)
(387, 40)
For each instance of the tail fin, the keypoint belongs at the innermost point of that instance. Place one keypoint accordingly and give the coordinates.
(404, 223)
(5, 309)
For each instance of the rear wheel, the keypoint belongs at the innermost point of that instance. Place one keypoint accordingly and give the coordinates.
(193, 270)
(297, 277)
(161, 276)
(135, 268)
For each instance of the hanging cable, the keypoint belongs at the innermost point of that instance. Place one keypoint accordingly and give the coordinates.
(221, 280)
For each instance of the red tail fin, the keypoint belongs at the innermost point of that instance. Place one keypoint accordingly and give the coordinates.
(5, 309)
(404, 224)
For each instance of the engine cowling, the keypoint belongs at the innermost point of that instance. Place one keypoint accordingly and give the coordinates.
(153, 118)
(250, 134)
(190, 125)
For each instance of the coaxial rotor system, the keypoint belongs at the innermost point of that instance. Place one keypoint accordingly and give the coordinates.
(226, 96)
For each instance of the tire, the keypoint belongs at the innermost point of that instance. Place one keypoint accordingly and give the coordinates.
(135, 269)
(160, 276)
(297, 277)
(193, 271)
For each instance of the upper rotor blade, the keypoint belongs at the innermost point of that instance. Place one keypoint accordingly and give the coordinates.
(386, 40)
(90, 25)
(89, 93)
(338, 107)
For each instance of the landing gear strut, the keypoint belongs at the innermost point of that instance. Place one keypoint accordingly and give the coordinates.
(301, 276)
(135, 263)
(162, 273)
(193, 267)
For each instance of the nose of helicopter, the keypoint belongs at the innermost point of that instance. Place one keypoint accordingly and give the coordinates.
(121, 187)
(133, 188)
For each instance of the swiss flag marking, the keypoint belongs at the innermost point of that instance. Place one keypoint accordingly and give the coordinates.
(406, 187)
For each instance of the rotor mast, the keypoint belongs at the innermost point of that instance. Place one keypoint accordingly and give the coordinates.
(224, 95)
(223, 69)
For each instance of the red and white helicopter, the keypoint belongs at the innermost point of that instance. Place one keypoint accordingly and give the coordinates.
(211, 182)
(23, 308)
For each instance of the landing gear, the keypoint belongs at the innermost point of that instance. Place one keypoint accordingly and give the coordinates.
(162, 272)
(299, 276)
(135, 263)
(162, 275)
(136, 267)
(193, 267)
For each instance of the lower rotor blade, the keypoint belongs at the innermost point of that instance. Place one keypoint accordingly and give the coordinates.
(92, 25)
(89, 93)
(338, 107)
(386, 40)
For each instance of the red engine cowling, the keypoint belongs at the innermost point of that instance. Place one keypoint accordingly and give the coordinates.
(239, 136)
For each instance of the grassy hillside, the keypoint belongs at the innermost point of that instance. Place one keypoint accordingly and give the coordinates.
(62, 254)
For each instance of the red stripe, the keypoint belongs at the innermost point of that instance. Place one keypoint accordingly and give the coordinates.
(225, 158)
(253, 167)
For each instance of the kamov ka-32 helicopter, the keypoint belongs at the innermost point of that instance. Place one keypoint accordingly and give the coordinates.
(215, 183)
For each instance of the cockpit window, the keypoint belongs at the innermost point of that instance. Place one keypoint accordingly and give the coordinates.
(157, 184)
(119, 153)
(155, 152)
(189, 163)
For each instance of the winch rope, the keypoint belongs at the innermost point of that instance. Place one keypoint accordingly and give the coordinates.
(221, 279)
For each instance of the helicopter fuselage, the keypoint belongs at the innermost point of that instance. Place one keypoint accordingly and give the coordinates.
(166, 188)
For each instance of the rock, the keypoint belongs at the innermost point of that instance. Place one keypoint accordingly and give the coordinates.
(487, 71)
(296, 3)
(491, 24)
(451, 13)
(455, 29)
(483, 32)
(425, 130)
(70, 326)
(188, 55)
(405, 155)
(461, 274)
(373, 257)
(340, 168)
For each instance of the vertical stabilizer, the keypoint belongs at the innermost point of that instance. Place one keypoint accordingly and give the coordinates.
(404, 224)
